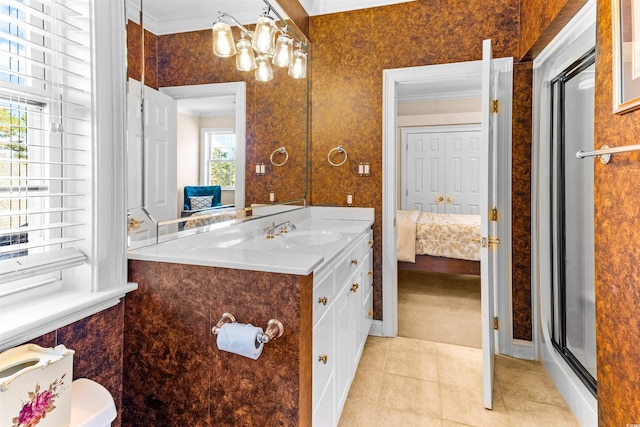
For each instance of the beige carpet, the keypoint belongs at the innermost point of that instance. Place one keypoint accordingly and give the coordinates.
(440, 307)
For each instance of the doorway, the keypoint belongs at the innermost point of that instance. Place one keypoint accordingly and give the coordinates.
(433, 77)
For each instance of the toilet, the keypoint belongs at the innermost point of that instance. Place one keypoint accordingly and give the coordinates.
(91, 404)
(35, 388)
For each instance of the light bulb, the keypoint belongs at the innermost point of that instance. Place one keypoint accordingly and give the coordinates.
(263, 37)
(245, 60)
(298, 67)
(223, 45)
(264, 72)
(283, 52)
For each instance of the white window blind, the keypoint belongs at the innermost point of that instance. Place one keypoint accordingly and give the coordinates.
(45, 140)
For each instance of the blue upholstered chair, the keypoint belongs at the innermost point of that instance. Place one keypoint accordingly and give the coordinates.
(202, 190)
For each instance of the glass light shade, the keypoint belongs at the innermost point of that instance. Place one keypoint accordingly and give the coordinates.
(298, 67)
(264, 36)
(264, 72)
(283, 52)
(245, 60)
(223, 44)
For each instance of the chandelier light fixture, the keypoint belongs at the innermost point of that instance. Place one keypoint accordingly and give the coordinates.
(259, 49)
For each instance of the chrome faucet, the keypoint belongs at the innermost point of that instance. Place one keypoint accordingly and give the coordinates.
(273, 230)
(282, 227)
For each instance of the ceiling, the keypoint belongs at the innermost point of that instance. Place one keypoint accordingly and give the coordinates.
(169, 16)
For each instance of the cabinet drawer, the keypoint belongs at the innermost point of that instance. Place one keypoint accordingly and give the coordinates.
(322, 296)
(323, 353)
(348, 264)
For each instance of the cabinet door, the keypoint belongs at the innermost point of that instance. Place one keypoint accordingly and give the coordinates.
(324, 359)
(355, 308)
(344, 342)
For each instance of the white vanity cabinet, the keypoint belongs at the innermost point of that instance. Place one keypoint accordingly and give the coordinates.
(342, 314)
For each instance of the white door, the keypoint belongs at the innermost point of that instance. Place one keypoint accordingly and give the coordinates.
(160, 154)
(488, 168)
(424, 165)
(441, 169)
(462, 191)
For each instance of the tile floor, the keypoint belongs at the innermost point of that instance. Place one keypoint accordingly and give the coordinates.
(409, 382)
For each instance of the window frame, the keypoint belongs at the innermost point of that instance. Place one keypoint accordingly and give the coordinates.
(205, 149)
(102, 281)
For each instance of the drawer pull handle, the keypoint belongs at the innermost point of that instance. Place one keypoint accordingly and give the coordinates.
(354, 287)
(324, 359)
(322, 300)
(354, 262)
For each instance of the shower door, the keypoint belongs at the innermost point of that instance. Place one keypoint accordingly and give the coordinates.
(572, 251)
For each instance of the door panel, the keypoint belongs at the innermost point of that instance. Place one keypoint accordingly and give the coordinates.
(488, 171)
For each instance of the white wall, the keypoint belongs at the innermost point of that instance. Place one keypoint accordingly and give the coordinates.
(189, 152)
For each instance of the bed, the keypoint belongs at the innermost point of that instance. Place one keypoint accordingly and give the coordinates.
(444, 243)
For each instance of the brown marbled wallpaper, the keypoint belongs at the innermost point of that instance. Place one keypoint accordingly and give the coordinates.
(541, 21)
(297, 13)
(134, 55)
(175, 374)
(97, 341)
(351, 49)
(617, 251)
(522, 124)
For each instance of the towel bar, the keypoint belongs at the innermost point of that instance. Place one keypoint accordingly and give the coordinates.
(605, 152)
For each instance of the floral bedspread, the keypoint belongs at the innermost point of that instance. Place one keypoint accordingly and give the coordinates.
(448, 235)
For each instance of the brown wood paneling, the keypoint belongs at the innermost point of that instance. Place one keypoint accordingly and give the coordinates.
(541, 21)
(175, 373)
(522, 124)
(617, 221)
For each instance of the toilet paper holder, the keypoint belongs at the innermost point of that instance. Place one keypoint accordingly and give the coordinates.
(274, 328)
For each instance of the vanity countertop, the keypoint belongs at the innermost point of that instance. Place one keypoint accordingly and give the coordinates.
(245, 246)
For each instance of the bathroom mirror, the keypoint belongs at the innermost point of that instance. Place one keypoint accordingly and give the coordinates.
(195, 105)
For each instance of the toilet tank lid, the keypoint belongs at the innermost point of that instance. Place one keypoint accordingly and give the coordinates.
(91, 404)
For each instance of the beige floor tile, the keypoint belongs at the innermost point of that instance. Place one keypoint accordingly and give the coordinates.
(412, 358)
(466, 407)
(358, 414)
(366, 385)
(395, 418)
(528, 386)
(460, 366)
(534, 414)
(410, 395)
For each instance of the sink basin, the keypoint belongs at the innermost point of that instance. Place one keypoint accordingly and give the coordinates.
(310, 237)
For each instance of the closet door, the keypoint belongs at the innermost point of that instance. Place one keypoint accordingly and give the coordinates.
(424, 176)
(462, 180)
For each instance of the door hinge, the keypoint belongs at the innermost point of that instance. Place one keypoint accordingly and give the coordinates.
(494, 106)
(494, 214)
(495, 323)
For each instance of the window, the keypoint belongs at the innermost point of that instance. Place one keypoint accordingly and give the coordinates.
(219, 158)
(45, 139)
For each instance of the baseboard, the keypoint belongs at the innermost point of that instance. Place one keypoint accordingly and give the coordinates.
(376, 329)
(523, 349)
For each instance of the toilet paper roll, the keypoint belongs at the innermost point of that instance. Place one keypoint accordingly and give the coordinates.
(240, 338)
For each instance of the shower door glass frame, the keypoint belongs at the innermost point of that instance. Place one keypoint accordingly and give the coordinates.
(562, 255)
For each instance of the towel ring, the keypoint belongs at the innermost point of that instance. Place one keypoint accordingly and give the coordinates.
(339, 149)
(280, 150)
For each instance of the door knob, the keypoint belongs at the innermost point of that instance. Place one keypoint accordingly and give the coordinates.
(440, 199)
